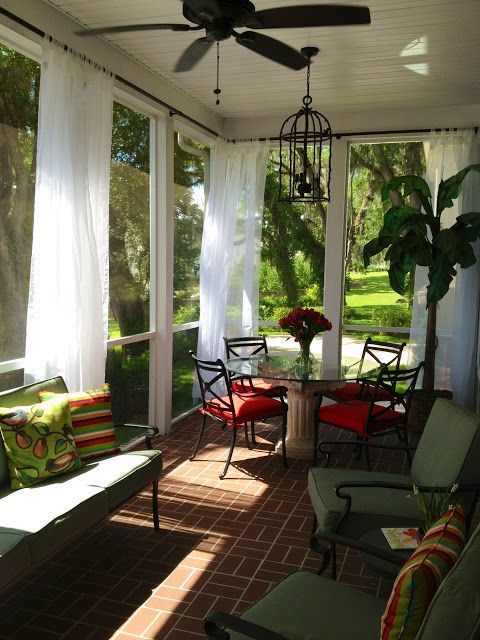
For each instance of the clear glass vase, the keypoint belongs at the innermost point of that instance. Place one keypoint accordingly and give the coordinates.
(305, 356)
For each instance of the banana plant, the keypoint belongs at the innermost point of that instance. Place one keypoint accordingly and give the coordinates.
(415, 236)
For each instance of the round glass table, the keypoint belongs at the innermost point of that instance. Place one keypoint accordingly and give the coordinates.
(305, 384)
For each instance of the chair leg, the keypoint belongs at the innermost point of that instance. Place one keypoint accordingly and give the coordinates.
(325, 552)
(202, 428)
(333, 548)
(326, 557)
(284, 440)
(315, 441)
(408, 453)
(234, 437)
(358, 449)
(156, 524)
(245, 427)
(252, 428)
(367, 458)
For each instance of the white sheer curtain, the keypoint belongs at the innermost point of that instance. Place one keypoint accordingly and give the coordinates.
(230, 256)
(68, 300)
(446, 153)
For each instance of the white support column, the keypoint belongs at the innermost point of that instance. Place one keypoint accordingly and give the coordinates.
(162, 274)
(335, 251)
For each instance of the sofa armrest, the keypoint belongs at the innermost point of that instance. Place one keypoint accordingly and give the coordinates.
(149, 431)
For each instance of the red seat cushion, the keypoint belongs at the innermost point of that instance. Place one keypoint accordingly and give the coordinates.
(246, 409)
(245, 385)
(354, 416)
(353, 391)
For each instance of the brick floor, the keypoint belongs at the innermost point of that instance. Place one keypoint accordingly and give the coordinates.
(222, 545)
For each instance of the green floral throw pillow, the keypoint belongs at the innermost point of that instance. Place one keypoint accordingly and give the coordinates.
(38, 441)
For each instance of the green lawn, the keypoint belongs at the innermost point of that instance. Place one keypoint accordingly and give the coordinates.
(371, 301)
(370, 290)
(113, 329)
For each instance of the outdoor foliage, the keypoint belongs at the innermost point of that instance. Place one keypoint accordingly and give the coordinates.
(293, 249)
(19, 82)
(371, 165)
(413, 235)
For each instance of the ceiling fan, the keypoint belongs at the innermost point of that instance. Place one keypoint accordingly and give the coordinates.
(220, 18)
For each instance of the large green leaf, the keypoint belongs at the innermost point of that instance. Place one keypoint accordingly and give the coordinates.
(454, 248)
(375, 246)
(440, 276)
(407, 185)
(449, 189)
(416, 247)
(472, 218)
(397, 273)
(468, 234)
(416, 223)
(394, 218)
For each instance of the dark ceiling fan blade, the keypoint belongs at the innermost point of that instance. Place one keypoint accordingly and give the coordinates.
(320, 15)
(272, 49)
(136, 27)
(193, 54)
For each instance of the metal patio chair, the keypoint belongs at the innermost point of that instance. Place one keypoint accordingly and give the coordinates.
(384, 353)
(233, 409)
(385, 412)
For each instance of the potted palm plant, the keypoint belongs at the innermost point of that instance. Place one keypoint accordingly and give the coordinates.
(415, 236)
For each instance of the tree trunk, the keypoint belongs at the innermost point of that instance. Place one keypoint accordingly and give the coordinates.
(430, 346)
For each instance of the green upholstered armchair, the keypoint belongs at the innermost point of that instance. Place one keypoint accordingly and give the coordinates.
(307, 606)
(352, 502)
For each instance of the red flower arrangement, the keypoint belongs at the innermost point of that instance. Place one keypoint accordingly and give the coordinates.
(303, 325)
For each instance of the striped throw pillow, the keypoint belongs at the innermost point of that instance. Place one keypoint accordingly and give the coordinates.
(421, 576)
(92, 421)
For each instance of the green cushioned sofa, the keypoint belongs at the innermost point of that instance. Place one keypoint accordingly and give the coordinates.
(36, 521)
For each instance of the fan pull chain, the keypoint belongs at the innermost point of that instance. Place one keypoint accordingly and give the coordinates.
(218, 91)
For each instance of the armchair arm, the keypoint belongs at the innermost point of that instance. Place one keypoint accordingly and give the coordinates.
(151, 431)
(333, 538)
(215, 621)
(400, 486)
(389, 485)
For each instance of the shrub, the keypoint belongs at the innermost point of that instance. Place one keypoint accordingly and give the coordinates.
(393, 316)
(350, 314)
(187, 314)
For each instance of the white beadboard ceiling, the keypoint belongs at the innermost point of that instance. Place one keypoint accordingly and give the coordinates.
(416, 53)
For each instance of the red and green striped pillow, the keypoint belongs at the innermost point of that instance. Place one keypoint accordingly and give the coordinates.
(421, 576)
(92, 421)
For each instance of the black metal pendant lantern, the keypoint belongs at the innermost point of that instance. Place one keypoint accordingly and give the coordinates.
(305, 151)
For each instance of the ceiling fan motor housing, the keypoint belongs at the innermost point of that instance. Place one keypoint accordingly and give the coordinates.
(233, 12)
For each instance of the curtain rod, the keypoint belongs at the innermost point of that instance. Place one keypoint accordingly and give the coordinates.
(362, 133)
(171, 110)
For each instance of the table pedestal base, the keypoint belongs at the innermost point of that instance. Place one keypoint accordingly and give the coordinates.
(304, 397)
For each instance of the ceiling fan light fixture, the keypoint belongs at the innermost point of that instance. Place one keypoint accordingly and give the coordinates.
(305, 151)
